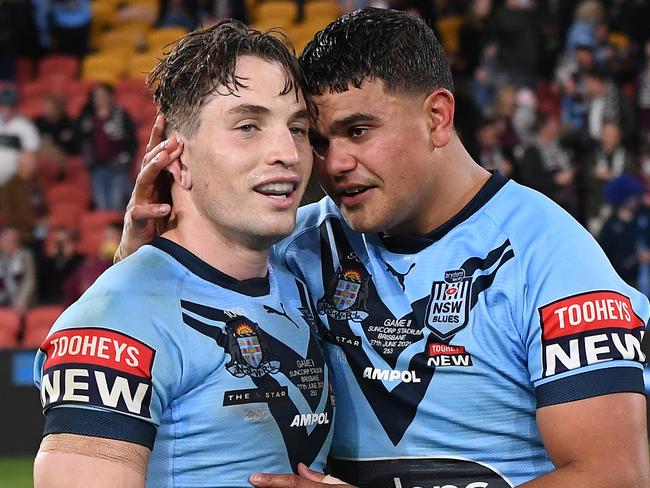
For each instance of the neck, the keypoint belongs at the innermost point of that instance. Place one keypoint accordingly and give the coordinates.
(458, 180)
(201, 238)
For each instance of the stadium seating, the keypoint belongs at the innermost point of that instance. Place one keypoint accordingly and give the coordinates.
(10, 322)
(58, 63)
(98, 220)
(107, 67)
(68, 193)
(158, 40)
(38, 322)
(31, 107)
(132, 85)
(141, 64)
(66, 215)
(322, 9)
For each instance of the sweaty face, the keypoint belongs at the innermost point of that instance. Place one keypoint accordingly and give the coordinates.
(250, 158)
(373, 156)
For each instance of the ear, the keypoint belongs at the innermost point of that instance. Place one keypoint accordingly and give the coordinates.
(178, 167)
(439, 109)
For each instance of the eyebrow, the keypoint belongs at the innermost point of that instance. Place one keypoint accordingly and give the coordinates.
(301, 114)
(246, 109)
(351, 120)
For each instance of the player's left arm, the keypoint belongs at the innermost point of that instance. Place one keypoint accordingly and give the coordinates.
(596, 442)
(583, 333)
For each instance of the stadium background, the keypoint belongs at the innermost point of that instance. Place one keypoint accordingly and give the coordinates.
(518, 67)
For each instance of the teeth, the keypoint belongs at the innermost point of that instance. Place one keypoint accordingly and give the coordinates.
(354, 191)
(276, 188)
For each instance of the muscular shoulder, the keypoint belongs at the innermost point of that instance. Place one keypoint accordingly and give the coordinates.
(538, 228)
(141, 290)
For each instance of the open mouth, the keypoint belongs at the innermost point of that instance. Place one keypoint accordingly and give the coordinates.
(279, 190)
(354, 191)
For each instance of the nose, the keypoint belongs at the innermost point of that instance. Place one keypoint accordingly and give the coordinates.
(338, 160)
(283, 149)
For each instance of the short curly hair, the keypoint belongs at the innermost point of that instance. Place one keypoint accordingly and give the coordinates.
(376, 44)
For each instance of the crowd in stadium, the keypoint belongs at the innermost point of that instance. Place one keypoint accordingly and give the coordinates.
(554, 94)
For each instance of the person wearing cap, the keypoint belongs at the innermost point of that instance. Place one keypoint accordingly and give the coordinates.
(19, 138)
(621, 233)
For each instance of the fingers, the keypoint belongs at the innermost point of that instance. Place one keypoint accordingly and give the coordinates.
(309, 474)
(168, 146)
(312, 475)
(157, 132)
(265, 480)
(144, 212)
(154, 162)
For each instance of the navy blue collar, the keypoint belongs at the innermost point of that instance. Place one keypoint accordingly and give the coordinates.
(254, 287)
(408, 244)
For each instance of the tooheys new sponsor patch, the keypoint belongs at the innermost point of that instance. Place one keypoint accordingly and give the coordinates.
(97, 367)
(587, 329)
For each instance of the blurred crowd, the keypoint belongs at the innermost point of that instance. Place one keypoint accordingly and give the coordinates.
(554, 94)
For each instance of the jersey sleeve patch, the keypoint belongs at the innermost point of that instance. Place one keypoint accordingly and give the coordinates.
(99, 368)
(589, 328)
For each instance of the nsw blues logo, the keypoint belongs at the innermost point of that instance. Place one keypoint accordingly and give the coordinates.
(250, 356)
(346, 296)
(448, 308)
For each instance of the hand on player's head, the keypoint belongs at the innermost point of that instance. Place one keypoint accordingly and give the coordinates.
(149, 205)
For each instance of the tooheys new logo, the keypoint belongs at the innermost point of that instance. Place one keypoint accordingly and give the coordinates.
(98, 367)
(589, 328)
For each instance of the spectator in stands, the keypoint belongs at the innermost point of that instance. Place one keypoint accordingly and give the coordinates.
(644, 97)
(547, 167)
(64, 25)
(108, 144)
(608, 160)
(17, 272)
(60, 263)
(605, 103)
(22, 203)
(491, 154)
(215, 10)
(504, 111)
(569, 76)
(474, 34)
(19, 138)
(55, 127)
(517, 31)
(17, 36)
(620, 235)
(93, 265)
(179, 13)
(582, 31)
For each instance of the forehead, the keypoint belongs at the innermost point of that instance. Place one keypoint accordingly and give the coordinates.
(263, 81)
(371, 98)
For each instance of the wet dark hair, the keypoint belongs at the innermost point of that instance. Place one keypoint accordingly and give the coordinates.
(203, 63)
(376, 44)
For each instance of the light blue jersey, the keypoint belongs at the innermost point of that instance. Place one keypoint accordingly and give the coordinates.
(221, 378)
(442, 347)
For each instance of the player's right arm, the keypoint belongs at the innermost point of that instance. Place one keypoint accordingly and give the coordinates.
(71, 461)
(145, 208)
(106, 372)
